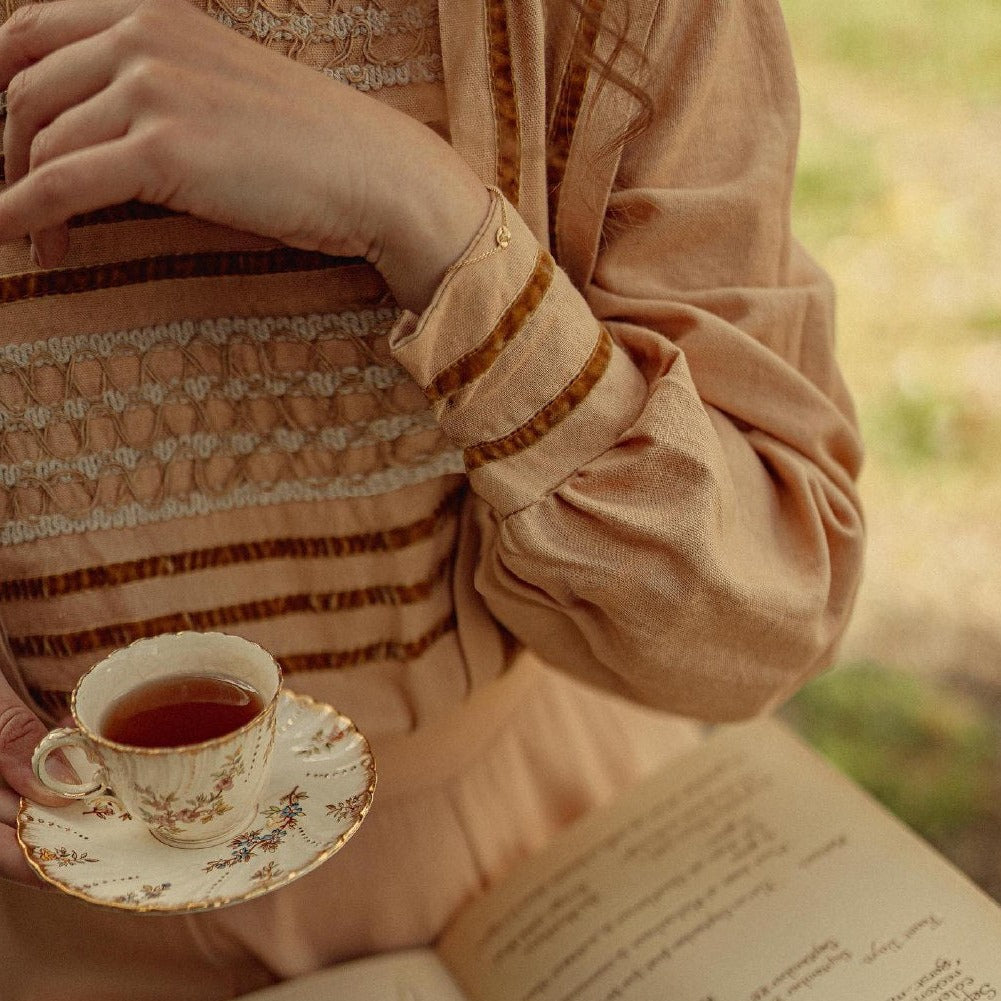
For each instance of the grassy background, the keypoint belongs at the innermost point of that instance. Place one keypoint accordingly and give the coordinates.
(899, 195)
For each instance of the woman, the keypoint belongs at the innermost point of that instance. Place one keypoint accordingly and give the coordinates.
(422, 345)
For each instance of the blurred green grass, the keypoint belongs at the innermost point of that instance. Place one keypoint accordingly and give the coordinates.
(928, 752)
(921, 47)
(898, 193)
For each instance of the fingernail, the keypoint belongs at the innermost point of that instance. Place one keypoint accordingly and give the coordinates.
(49, 247)
(60, 768)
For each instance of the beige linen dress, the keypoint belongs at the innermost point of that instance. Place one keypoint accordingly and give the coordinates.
(617, 439)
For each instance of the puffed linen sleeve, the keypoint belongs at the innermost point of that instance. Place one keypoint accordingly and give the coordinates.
(663, 463)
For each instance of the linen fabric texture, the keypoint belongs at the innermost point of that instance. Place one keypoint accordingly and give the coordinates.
(603, 487)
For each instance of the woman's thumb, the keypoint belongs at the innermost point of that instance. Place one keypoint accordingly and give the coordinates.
(20, 732)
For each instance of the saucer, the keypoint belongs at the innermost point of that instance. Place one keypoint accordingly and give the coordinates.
(319, 790)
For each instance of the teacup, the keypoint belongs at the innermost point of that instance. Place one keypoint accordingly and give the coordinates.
(193, 795)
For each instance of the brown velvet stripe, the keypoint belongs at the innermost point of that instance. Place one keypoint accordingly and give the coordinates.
(556, 411)
(67, 281)
(394, 650)
(214, 557)
(56, 701)
(123, 633)
(473, 364)
(126, 212)
(567, 110)
(505, 102)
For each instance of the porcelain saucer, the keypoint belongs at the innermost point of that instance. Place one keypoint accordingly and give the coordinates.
(319, 791)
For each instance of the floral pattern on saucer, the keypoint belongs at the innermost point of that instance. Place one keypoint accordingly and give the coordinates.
(319, 791)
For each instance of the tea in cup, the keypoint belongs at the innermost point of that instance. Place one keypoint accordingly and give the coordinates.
(181, 728)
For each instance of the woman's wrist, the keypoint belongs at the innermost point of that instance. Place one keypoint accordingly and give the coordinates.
(432, 213)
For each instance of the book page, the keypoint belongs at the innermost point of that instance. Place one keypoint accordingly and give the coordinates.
(751, 871)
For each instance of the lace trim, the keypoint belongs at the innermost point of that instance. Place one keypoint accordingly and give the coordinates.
(37, 417)
(372, 76)
(34, 364)
(345, 26)
(132, 515)
(216, 331)
(210, 445)
(181, 418)
(361, 44)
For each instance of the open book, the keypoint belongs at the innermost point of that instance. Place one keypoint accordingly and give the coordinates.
(751, 870)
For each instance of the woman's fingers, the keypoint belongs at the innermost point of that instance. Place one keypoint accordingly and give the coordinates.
(54, 106)
(75, 94)
(20, 732)
(10, 802)
(49, 246)
(40, 94)
(12, 862)
(13, 865)
(98, 119)
(85, 181)
(181, 99)
(35, 30)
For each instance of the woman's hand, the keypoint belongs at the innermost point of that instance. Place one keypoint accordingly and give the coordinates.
(20, 732)
(112, 100)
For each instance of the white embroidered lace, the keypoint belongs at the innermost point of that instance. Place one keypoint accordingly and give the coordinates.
(366, 45)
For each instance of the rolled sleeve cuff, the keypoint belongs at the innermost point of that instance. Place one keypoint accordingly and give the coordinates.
(519, 373)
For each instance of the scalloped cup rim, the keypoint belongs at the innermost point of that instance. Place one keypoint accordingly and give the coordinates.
(98, 738)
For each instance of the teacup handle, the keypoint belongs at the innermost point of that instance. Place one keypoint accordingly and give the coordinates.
(53, 741)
